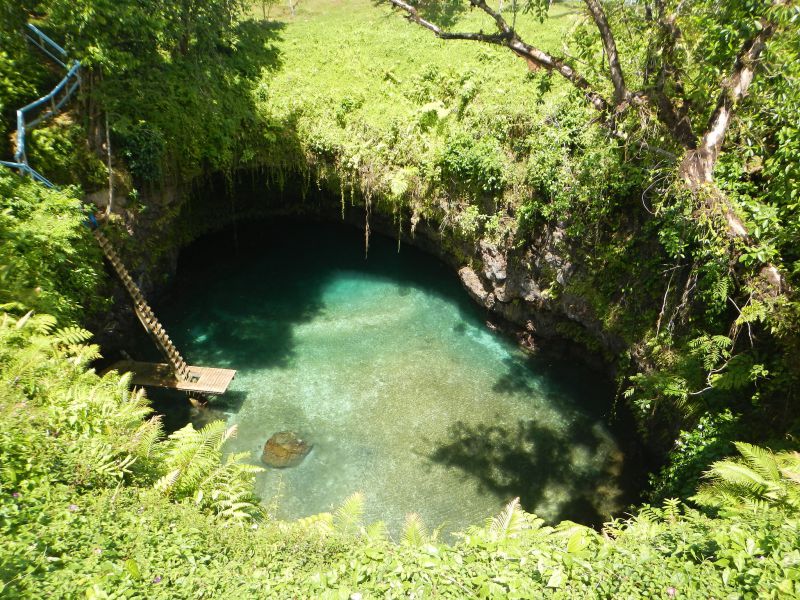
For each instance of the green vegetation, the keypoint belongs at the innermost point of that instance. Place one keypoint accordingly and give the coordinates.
(171, 78)
(48, 260)
(96, 501)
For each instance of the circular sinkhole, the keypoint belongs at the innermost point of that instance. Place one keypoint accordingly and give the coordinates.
(386, 367)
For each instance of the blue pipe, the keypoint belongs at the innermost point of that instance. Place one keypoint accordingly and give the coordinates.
(25, 169)
(73, 72)
(60, 86)
(48, 46)
(42, 36)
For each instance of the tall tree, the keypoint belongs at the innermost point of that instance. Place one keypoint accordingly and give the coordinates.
(688, 65)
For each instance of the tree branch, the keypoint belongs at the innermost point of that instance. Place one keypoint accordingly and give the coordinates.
(498, 18)
(554, 63)
(659, 62)
(698, 165)
(676, 119)
(733, 90)
(609, 45)
(413, 15)
(508, 37)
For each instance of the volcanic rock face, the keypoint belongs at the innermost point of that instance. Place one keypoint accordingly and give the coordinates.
(285, 449)
(475, 287)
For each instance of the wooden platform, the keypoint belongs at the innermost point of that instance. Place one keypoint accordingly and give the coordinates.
(203, 380)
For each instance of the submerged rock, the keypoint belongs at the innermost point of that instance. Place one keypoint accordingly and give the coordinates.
(285, 449)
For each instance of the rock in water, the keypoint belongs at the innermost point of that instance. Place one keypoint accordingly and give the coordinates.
(285, 449)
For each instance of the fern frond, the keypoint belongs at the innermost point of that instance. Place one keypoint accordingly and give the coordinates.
(535, 523)
(144, 440)
(321, 523)
(238, 512)
(377, 532)
(761, 460)
(104, 461)
(168, 481)
(43, 324)
(193, 454)
(71, 336)
(733, 472)
(12, 307)
(80, 355)
(648, 514)
(414, 532)
(672, 508)
(349, 515)
(756, 480)
(756, 505)
(509, 523)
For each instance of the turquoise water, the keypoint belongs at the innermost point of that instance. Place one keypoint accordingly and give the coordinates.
(391, 372)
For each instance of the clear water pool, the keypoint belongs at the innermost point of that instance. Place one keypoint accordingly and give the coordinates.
(391, 372)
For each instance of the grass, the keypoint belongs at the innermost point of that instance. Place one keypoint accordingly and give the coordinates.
(373, 94)
(336, 51)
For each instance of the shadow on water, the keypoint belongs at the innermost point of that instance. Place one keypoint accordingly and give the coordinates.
(527, 459)
(533, 457)
(176, 411)
(215, 317)
(516, 379)
(227, 325)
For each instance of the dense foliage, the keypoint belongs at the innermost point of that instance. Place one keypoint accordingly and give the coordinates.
(171, 80)
(48, 260)
(96, 501)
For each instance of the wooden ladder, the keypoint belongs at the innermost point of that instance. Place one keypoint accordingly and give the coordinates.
(143, 311)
